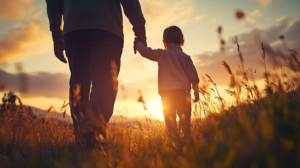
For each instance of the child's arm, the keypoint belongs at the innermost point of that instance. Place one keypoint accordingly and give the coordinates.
(196, 91)
(193, 77)
(147, 52)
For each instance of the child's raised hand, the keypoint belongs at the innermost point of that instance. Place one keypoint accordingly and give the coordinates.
(136, 40)
(196, 91)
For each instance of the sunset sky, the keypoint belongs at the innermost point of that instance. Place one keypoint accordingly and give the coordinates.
(25, 39)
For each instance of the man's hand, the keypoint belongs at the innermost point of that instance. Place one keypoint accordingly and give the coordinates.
(58, 51)
(136, 40)
(196, 94)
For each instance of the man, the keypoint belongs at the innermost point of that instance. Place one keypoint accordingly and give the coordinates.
(92, 37)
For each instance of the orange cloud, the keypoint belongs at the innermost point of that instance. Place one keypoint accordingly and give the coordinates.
(294, 22)
(15, 9)
(199, 17)
(256, 13)
(249, 21)
(160, 14)
(265, 2)
(282, 18)
(268, 18)
(27, 38)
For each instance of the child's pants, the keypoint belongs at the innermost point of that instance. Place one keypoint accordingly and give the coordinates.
(177, 102)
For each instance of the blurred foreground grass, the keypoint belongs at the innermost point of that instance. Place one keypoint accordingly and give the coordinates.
(263, 133)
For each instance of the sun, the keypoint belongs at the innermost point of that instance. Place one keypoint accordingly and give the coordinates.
(155, 108)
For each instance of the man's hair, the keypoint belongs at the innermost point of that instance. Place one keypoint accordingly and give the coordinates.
(173, 34)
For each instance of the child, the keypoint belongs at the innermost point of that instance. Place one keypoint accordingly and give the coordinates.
(176, 73)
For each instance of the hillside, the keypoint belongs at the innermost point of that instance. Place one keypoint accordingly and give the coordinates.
(115, 119)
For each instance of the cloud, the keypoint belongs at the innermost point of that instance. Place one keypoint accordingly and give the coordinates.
(25, 39)
(158, 12)
(210, 62)
(265, 3)
(268, 18)
(256, 13)
(40, 84)
(199, 17)
(292, 34)
(56, 85)
(294, 22)
(282, 18)
(249, 21)
(159, 15)
(4, 22)
(15, 9)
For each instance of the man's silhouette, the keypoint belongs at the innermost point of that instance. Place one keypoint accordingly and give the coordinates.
(92, 37)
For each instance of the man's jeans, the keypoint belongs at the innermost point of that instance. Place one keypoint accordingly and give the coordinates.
(94, 58)
(177, 102)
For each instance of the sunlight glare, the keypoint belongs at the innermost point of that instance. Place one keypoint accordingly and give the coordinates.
(155, 108)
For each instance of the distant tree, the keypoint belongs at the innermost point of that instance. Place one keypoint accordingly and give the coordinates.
(9, 101)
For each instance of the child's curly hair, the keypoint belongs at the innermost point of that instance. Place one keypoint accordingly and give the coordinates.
(173, 34)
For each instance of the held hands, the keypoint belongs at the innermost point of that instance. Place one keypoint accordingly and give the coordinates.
(58, 51)
(140, 35)
(136, 40)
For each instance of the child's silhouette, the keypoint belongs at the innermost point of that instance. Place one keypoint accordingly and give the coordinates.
(176, 73)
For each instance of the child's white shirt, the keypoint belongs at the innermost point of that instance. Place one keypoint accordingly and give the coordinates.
(175, 68)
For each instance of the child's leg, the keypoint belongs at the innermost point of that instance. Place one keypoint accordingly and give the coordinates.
(169, 110)
(184, 112)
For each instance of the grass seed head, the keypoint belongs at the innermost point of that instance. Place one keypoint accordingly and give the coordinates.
(263, 51)
(141, 100)
(295, 58)
(292, 51)
(227, 67)
(220, 30)
(210, 80)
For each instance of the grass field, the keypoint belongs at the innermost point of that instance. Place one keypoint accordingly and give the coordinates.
(260, 129)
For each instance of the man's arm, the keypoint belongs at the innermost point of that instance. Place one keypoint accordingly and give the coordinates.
(133, 12)
(54, 11)
(147, 52)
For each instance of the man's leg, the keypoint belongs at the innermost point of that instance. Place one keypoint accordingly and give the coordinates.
(106, 51)
(184, 111)
(77, 51)
(169, 110)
